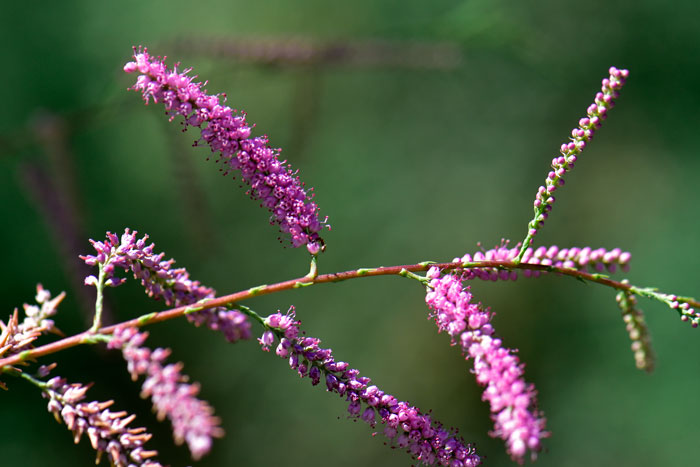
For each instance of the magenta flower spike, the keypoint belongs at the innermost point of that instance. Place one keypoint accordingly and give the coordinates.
(108, 431)
(161, 280)
(513, 401)
(580, 137)
(192, 419)
(227, 133)
(405, 426)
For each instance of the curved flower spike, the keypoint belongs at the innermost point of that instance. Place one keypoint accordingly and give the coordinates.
(271, 181)
(513, 401)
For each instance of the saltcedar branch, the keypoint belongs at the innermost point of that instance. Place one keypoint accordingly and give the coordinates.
(88, 336)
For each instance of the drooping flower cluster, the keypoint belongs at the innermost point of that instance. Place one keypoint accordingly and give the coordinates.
(580, 136)
(107, 431)
(424, 438)
(18, 336)
(513, 401)
(584, 258)
(192, 419)
(161, 280)
(227, 133)
(637, 329)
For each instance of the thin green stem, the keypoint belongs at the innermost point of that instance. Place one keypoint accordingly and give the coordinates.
(40, 384)
(313, 270)
(249, 312)
(526, 244)
(410, 275)
(97, 322)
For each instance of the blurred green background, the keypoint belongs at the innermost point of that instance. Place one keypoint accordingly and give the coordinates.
(425, 127)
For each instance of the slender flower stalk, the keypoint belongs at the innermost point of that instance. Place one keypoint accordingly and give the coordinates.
(580, 137)
(581, 259)
(513, 401)
(160, 280)
(405, 426)
(107, 431)
(271, 181)
(192, 419)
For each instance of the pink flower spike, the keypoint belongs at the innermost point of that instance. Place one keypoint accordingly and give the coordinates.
(513, 401)
(192, 419)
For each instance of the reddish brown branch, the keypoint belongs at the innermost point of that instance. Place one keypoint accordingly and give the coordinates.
(226, 300)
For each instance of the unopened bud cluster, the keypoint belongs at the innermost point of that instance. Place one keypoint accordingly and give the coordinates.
(688, 313)
(637, 329)
(582, 259)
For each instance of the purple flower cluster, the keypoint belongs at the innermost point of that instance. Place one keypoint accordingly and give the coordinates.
(580, 136)
(227, 133)
(512, 400)
(638, 331)
(161, 280)
(598, 260)
(425, 439)
(107, 431)
(192, 419)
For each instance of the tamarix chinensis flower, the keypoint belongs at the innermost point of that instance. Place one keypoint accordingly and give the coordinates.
(405, 426)
(271, 181)
(513, 403)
